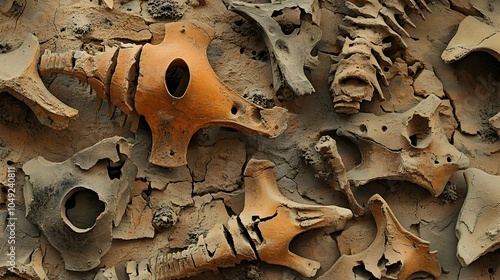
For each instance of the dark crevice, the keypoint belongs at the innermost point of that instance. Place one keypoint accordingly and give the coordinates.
(230, 240)
(248, 237)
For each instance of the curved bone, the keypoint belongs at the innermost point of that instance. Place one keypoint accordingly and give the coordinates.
(54, 188)
(290, 54)
(355, 75)
(478, 225)
(472, 36)
(394, 254)
(263, 231)
(19, 77)
(408, 146)
(204, 101)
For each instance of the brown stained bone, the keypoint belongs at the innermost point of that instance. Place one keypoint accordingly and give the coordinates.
(75, 203)
(478, 225)
(359, 68)
(178, 93)
(19, 77)
(394, 254)
(328, 148)
(263, 231)
(472, 36)
(290, 53)
(408, 146)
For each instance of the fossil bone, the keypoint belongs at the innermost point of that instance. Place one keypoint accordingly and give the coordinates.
(262, 231)
(19, 77)
(328, 148)
(356, 73)
(394, 254)
(290, 53)
(75, 203)
(472, 35)
(174, 88)
(478, 225)
(408, 146)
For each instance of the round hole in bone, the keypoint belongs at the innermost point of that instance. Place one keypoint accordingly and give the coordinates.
(234, 110)
(81, 208)
(448, 159)
(419, 131)
(177, 78)
(384, 128)
(363, 128)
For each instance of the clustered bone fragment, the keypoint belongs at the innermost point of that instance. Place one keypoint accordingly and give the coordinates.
(369, 35)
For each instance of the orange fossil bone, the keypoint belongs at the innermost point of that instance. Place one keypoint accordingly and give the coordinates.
(19, 77)
(172, 85)
(263, 231)
(394, 254)
(179, 93)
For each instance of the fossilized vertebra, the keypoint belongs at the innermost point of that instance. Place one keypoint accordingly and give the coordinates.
(290, 53)
(175, 89)
(478, 225)
(75, 203)
(368, 37)
(408, 146)
(19, 77)
(263, 231)
(394, 254)
(472, 35)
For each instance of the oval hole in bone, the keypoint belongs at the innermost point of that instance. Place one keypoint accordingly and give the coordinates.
(81, 208)
(419, 131)
(177, 78)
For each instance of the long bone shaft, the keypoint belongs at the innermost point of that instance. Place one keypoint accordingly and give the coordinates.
(262, 231)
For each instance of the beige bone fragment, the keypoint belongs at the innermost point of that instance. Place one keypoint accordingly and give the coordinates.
(290, 53)
(408, 146)
(263, 231)
(394, 254)
(328, 148)
(478, 225)
(472, 36)
(19, 77)
(76, 202)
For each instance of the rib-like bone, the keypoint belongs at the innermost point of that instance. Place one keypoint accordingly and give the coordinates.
(263, 231)
(394, 254)
(358, 69)
(19, 77)
(290, 54)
